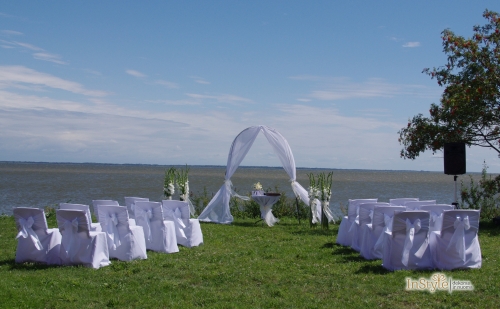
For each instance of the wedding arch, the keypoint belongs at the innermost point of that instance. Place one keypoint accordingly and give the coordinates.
(217, 210)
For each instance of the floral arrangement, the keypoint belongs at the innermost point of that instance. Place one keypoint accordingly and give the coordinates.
(183, 183)
(257, 186)
(320, 188)
(168, 187)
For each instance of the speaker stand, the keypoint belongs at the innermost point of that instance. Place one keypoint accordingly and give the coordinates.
(456, 197)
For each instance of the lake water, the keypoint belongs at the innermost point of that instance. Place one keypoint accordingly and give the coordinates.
(41, 184)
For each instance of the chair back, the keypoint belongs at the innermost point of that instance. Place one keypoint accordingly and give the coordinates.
(83, 207)
(114, 221)
(366, 212)
(30, 218)
(149, 215)
(130, 203)
(352, 210)
(96, 203)
(401, 201)
(415, 205)
(436, 213)
(179, 208)
(452, 219)
(72, 221)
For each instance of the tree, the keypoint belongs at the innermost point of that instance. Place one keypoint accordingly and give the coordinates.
(470, 104)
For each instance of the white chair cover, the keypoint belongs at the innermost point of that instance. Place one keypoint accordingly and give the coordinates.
(407, 247)
(217, 209)
(35, 241)
(401, 201)
(95, 227)
(415, 205)
(365, 216)
(371, 234)
(96, 203)
(457, 244)
(125, 242)
(130, 203)
(187, 230)
(159, 233)
(79, 245)
(346, 228)
(436, 212)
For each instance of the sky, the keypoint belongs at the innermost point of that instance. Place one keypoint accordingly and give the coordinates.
(174, 82)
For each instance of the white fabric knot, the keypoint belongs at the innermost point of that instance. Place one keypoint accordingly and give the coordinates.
(411, 230)
(27, 230)
(387, 228)
(71, 235)
(457, 241)
(112, 231)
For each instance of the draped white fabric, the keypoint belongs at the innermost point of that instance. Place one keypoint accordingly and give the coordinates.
(188, 231)
(217, 209)
(79, 245)
(407, 247)
(126, 242)
(266, 202)
(346, 228)
(456, 245)
(36, 242)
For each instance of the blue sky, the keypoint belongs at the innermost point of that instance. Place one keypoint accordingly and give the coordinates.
(173, 82)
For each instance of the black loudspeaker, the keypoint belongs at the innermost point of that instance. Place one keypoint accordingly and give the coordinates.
(454, 158)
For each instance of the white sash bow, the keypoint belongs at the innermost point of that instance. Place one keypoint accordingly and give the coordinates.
(112, 230)
(387, 228)
(27, 230)
(411, 230)
(458, 238)
(70, 236)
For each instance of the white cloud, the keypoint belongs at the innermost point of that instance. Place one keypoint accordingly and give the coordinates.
(23, 75)
(167, 84)
(344, 89)
(411, 44)
(135, 73)
(223, 98)
(29, 46)
(49, 57)
(11, 32)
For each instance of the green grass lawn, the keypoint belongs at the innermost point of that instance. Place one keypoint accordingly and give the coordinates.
(243, 265)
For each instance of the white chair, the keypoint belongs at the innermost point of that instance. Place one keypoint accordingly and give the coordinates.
(415, 205)
(125, 242)
(188, 231)
(401, 201)
(94, 227)
(80, 246)
(407, 247)
(365, 215)
(436, 212)
(35, 241)
(372, 234)
(159, 233)
(130, 203)
(346, 228)
(457, 244)
(96, 203)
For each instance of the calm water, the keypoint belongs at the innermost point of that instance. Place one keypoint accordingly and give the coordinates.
(42, 184)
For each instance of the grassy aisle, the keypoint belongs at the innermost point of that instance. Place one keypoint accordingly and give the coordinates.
(243, 265)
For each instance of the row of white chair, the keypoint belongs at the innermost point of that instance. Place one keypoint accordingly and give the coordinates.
(376, 230)
(160, 227)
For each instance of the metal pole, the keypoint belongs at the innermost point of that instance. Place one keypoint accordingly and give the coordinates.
(456, 196)
(297, 203)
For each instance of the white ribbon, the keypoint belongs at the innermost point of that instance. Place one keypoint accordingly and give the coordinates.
(314, 210)
(179, 224)
(355, 222)
(229, 188)
(27, 230)
(327, 211)
(112, 230)
(71, 235)
(387, 228)
(436, 219)
(146, 215)
(458, 238)
(411, 230)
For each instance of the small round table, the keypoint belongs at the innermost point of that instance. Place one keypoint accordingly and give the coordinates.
(266, 203)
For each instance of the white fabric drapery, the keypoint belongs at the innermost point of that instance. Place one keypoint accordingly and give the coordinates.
(217, 210)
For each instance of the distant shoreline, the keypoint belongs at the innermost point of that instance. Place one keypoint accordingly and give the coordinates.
(221, 166)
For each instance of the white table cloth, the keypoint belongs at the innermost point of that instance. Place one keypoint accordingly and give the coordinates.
(266, 203)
